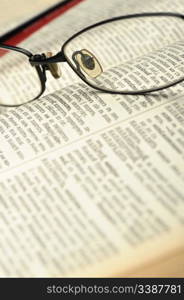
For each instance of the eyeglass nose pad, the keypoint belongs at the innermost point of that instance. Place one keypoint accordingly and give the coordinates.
(53, 68)
(87, 62)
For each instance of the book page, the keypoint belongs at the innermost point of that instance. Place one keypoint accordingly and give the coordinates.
(90, 181)
(106, 185)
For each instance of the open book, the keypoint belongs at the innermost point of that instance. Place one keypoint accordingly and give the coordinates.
(92, 184)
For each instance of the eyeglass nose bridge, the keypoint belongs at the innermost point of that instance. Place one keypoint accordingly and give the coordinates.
(53, 67)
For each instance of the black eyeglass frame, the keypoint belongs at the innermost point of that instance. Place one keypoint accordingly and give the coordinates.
(40, 62)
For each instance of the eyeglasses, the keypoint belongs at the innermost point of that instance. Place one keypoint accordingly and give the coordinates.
(133, 54)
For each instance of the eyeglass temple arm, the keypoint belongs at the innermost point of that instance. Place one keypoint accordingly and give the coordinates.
(37, 59)
(18, 49)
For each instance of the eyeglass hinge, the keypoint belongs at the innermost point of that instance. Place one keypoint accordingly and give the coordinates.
(37, 59)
